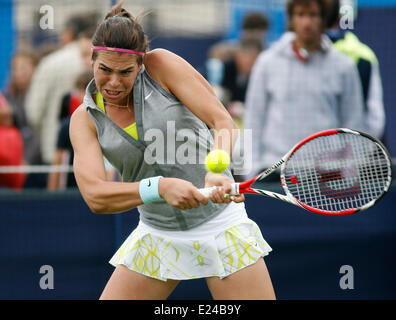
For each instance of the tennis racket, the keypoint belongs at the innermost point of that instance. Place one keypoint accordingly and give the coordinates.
(332, 172)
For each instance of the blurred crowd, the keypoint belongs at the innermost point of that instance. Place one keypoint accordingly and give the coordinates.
(314, 77)
(44, 88)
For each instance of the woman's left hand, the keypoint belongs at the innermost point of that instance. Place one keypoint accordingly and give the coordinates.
(224, 184)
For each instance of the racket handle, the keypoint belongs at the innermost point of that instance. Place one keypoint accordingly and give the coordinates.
(207, 191)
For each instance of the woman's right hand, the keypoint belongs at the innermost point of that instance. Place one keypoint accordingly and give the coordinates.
(180, 194)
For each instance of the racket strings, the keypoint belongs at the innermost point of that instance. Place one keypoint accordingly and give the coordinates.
(338, 172)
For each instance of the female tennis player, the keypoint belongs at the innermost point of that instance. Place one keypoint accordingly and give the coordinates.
(139, 99)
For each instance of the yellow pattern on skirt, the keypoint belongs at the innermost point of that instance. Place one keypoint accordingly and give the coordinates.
(165, 257)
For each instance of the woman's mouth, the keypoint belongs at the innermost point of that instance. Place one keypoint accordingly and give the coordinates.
(112, 93)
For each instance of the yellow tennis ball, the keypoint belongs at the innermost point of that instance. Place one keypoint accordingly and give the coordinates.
(217, 161)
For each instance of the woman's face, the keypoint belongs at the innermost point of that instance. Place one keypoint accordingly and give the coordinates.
(115, 75)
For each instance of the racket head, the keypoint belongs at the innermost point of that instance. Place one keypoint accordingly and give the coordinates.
(337, 172)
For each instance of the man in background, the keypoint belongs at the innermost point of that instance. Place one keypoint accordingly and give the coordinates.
(236, 75)
(254, 26)
(53, 78)
(299, 86)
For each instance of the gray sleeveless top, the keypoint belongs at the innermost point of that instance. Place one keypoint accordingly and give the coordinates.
(173, 142)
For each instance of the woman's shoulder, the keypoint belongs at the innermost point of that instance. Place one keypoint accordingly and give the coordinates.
(157, 55)
(160, 60)
(81, 117)
(159, 64)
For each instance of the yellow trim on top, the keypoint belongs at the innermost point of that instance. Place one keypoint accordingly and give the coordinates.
(131, 129)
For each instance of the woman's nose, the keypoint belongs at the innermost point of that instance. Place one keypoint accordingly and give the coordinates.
(114, 80)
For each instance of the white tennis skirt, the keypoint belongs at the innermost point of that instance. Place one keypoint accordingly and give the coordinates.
(219, 247)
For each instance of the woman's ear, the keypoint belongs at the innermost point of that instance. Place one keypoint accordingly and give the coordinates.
(140, 66)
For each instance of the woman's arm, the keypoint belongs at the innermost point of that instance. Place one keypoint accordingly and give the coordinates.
(104, 196)
(190, 87)
(178, 77)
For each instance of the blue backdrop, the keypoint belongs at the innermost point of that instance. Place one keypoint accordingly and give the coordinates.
(372, 28)
(6, 39)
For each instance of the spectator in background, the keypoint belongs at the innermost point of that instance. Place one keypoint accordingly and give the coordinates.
(23, 65)
(237, 72)
(254, 25)
(71, 100)
(11, 148)
(367, 65)
(64, 150)
(299, 86)
(53, 78)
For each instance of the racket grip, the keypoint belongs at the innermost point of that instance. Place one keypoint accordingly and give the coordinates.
(207, 191)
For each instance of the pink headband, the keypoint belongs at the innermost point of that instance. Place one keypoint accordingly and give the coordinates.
(119, 50)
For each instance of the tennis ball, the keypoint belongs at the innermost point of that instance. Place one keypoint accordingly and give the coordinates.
(217, 161)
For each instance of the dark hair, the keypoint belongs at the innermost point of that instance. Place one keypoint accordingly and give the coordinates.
(255, 20)
(27, 53)
(120, 29)
(87, 34)
(293, 3)
(333, 12)
(80, 23)
(83, 79)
